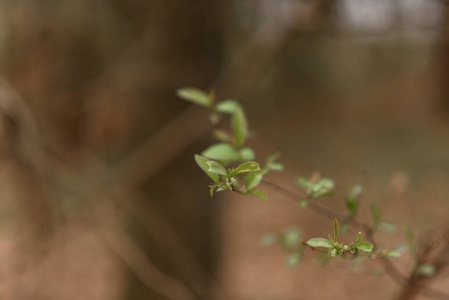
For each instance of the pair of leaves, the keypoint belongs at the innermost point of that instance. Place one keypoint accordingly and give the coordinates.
(213, 169)
(323, 187)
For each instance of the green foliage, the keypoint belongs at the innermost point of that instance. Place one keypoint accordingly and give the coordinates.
(222, 152)
(321, 188)
(246, 167)
(352, 201)
(239, 127)
(196, 96)
(228, 107)
(258, 193)
(231, 167)
(337, 248)
(426, 270)
(320, 242)
(202, 163)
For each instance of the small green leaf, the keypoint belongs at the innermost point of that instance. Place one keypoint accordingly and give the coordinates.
(376, 214)
(247, 154)
(269, 239)
(246, 167)
(202, 163)
(334, 252)
(271, 163)
(291, 238)
(336, 229)
(221, 152)
(303, 203)
(292, 260)
(303, 182)
(324, 187)
(387, 226)
(359, 238)
(194, 95)
(276, 167)
(393, 254)
(320, 242)
(228, 106)
(253, 180)
(426, 270)
(410, 236)
(240, 127)
(355, 191)
(353, 206)
(344, 228)
(258, 193)
(216, 168)
(365, 246)
(221, 135)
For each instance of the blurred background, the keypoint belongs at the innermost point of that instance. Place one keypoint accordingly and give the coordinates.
(100, 197)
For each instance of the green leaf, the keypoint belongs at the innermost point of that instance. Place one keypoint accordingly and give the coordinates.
(258, 193)
(253, 180)
(195, 95)
(330, 238)
(387, 226)
(353, 206)
(324, 187)
(426, 270)
(228, 106)
(355, 191)
(246, 167)
(291, 238)
(221, 135)
(247, 154)
(393, 254)
(365, 246)
(376, 214)
(271, 163)
(336, 229)
(276, 167)
(221, 152)
(344, 228)
(292, 260)
(303, 203)
(302, 182)
(320, 242)
(269, 239)
(240, 127)
(359, 238)
(216, 168)
(202, 163)
(334, 252)
(410, 236)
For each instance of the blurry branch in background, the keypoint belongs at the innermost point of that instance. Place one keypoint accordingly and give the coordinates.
(152, 220)
(136, 259)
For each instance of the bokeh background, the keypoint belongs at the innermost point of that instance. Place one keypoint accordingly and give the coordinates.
(100, 197)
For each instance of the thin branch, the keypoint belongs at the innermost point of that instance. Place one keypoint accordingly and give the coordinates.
(390, 269)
